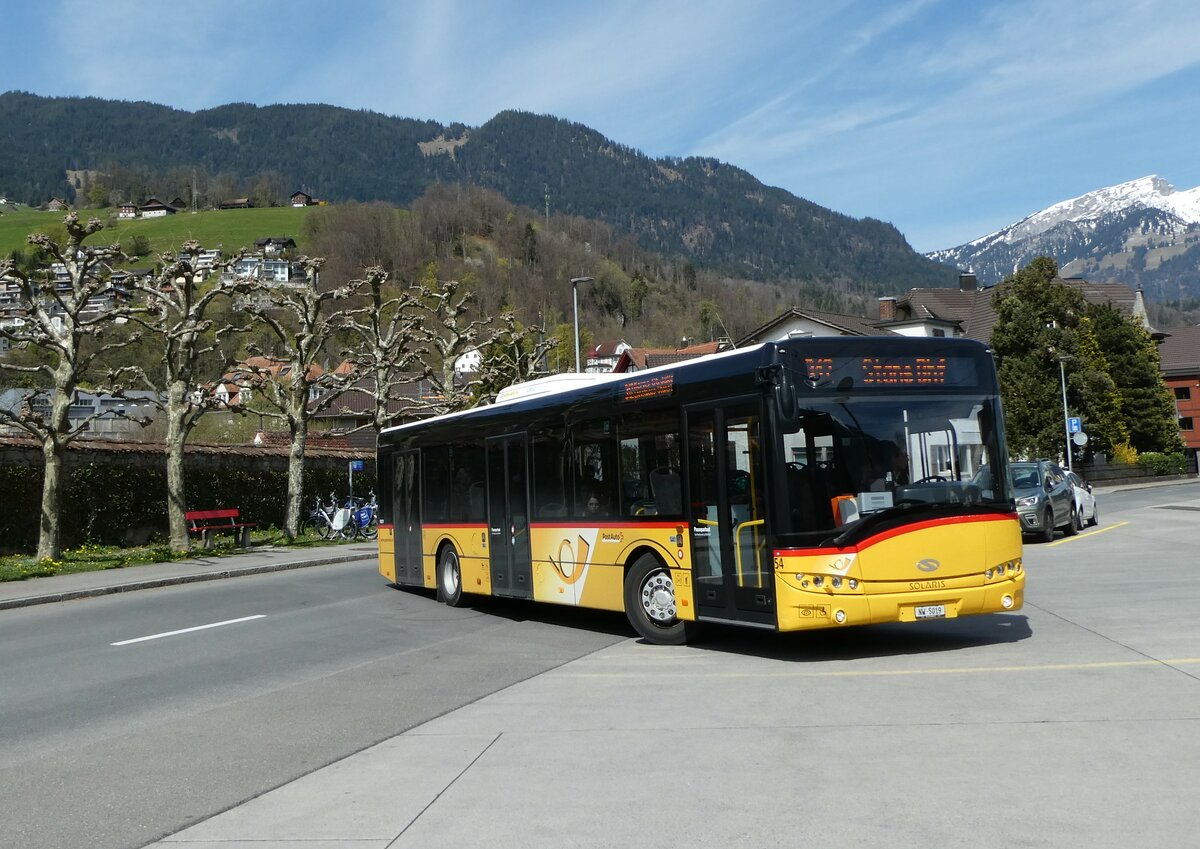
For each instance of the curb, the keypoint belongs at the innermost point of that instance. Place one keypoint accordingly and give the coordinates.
(155, 583)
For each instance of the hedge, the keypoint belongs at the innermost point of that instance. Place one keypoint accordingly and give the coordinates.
(113, 504)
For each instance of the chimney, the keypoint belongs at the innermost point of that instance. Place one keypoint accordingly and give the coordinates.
(887, 309)
(967, 282)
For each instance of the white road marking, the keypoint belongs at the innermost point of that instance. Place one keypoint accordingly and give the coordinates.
(189, 630)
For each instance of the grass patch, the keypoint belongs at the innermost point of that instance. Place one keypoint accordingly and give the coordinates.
(97, 558)
(230, 229)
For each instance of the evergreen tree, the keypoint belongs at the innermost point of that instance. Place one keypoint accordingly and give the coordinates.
(1147, 405)
(1090, 377)
(1036, 321)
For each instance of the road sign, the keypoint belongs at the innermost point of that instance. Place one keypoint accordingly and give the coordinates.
(357, 465)
(1074, 425)
(1080, 439)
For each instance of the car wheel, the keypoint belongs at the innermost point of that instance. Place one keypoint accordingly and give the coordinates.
(650, 603)
(449, 587)
(1074, 524)
(1095, 520)
(1047, 534)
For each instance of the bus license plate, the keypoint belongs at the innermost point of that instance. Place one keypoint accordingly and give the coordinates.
(930, 611)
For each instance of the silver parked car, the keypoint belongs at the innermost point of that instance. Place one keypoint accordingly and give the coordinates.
(1085, 501)
(1045, 499)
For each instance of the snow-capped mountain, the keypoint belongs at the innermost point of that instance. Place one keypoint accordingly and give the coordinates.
(1143, 233)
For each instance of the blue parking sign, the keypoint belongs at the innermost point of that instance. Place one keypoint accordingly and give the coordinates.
(1073, 424)
(357, 465)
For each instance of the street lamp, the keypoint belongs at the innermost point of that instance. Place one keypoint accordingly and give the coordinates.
(1062, 374)
(575, 281)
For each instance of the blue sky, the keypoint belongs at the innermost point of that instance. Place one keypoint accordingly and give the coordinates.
(948, 118)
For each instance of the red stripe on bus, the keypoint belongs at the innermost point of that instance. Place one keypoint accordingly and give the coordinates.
(615, 523)
(386, 526)
(900, 531)
(438, 526)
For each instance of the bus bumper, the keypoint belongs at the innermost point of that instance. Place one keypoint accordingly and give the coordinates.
(802, 609)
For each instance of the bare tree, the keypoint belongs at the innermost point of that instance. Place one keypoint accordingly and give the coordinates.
(176, 313)
(301, 321)
(507, 352)
(516, 354)
(453, 332)
(387, 340)
(58, 319)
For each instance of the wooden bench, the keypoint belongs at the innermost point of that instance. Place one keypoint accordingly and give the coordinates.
(226, 520)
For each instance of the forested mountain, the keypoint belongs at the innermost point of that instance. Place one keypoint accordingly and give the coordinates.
(717, 215)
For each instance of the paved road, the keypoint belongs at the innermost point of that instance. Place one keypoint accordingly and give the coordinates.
(106, 745)
(1073, 722)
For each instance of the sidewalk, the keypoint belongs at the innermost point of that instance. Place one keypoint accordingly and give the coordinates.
(1144, 483)
(152, 575)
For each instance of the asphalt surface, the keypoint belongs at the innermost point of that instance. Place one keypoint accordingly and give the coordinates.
(1073, 722)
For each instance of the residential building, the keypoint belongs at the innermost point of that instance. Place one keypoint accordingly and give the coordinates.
(640, 359)
(798, 323)
(275, 245)
(1180, 354)
(128, 209)
(155, 208)
(603, 356)
(301, 199)
(969, 310)
(236, 387)
(111, 416)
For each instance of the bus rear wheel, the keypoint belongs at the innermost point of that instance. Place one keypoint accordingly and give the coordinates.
(449, 585)
(650, 603)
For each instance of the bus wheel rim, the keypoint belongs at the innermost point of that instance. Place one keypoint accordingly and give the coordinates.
(449, 575)
(658, 598)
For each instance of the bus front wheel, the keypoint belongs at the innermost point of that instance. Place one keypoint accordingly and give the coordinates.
(650, 603)
(449, 577)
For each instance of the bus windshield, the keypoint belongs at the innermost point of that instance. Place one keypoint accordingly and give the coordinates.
(846, 458)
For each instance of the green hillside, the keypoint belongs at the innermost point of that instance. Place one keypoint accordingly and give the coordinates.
(229, 229)
(715, 215)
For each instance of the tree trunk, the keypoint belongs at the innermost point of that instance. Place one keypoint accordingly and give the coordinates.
(176, 490)
(54, 452)
(50, 530)
(295, 476)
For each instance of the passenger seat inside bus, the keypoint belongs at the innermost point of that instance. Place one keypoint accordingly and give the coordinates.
(475, 500)
(667, 488)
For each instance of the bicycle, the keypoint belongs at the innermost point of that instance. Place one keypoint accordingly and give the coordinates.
(357, 518)
(320, 520)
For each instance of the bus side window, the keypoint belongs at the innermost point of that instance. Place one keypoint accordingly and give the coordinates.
(593, 467)
(438, 505)
(649, 459)
(551, 469)
(467, 483)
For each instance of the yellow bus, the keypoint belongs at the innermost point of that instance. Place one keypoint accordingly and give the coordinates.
(812, 483)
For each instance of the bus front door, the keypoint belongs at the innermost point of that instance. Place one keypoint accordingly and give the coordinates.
(508, 518)
(731, 561)
(406, 503)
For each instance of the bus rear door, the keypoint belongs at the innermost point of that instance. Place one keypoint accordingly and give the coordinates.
(508, 517)
(406, 506)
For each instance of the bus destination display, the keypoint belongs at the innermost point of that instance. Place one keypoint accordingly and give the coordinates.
(877, 371)
(642, 389)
